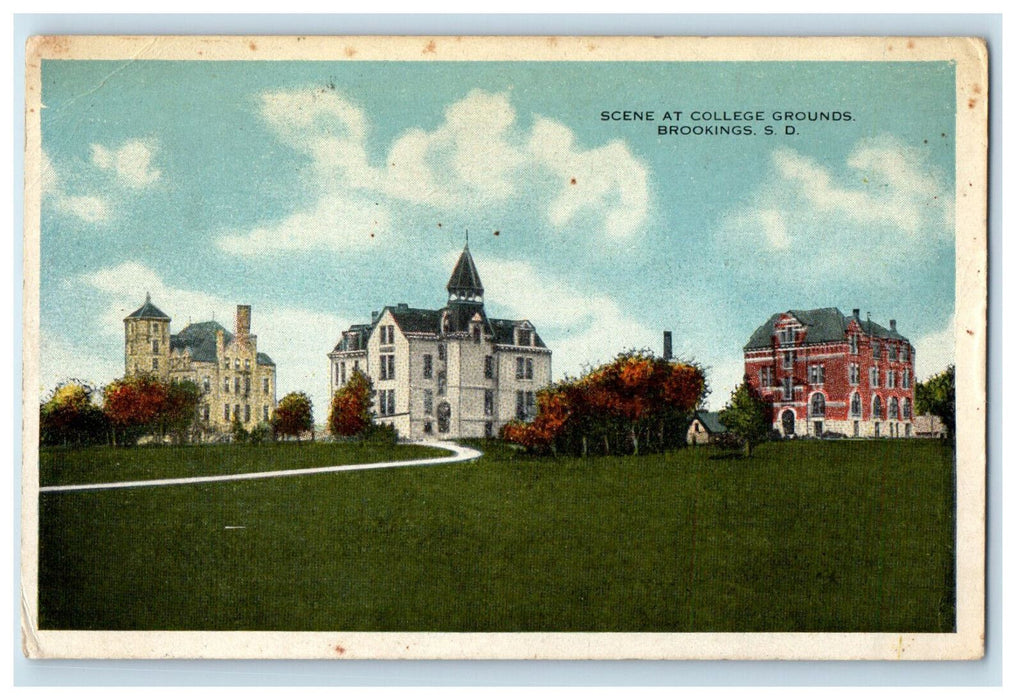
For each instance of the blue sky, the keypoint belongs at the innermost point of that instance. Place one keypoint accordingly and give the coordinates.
(320, 191)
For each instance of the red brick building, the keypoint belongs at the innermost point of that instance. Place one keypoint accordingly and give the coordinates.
(830, 373)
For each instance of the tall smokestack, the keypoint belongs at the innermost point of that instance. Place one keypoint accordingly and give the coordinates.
(242, 321)
(856, 315)
(667, 345)
(891, 323)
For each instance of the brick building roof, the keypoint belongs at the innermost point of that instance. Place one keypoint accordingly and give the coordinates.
(822, 326)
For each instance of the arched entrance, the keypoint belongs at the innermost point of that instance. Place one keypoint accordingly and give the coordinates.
(788, 422)
(443, 417)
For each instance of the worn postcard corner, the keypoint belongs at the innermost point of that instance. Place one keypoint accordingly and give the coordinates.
(504, 348)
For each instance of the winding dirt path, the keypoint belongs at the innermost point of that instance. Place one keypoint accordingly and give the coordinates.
(459, 453)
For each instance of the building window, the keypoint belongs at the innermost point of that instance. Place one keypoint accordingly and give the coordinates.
(488, 367)
(428, 428)
(855, 406)
(356, 368)
(488, 402)
(387, 335)
(766, 377)
(227, 411)
(337, 374)
(907, 411)
(787, 336)
(388, 399)
(156, 347)
(237, 411)
(889, 377)
(786, 385)
(248, 413)
(156, 364)
(427, 366)
(477, 334)
(525, 337)
(387, 366)
(442, 382)
(854, 374)
(248, 363)
(878, 408)
(817, 405)
(428, 402)
(488, 429)
(529, 368)
(266, 385)
(786, 359)
(876, 348)
(442, 353)
(227, 385)
(906, 379)
(206, 384)
(520, 368)
(854, 344)
(893, 408)
(206, 413)
(237, 363)
(874, 377)
(903, 353)
(237, 385)
(520, 405)
(266, 412)
(816, 374)
(227, 363)
(891, 353)
(530, 404)
(155, 327)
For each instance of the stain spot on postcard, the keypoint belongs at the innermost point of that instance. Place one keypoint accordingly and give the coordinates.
(497, 233)
(976, 89)
(572, 181)
(339, 650)
(252, 46)
(969, 332)
(431, 47)
(972, 103)
(55, 44)
(910, 44)
(350, 51)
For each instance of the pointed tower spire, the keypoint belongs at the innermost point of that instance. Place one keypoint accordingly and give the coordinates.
(465, 285)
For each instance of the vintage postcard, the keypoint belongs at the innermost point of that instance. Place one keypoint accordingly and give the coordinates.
(467, 347)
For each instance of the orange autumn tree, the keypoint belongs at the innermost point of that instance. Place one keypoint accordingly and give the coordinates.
(636, 402)
(143, 404)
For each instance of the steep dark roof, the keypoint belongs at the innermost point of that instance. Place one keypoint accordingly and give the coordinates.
(504, 332)
(465, 278)
(822, 326)
(200, 339)
(415, 320)
(361, 330)
(711, 421)
(148, 310)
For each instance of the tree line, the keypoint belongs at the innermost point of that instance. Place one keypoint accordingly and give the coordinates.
(141, 405)
(636, 403)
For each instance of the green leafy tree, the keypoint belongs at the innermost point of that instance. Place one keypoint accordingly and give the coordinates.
(180, 412)
(293, 415)
(351, 409)
(238, 432)
(70, 417)
(937, 396)
(747, 416)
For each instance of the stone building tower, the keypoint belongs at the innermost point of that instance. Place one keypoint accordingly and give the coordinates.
(147, 341)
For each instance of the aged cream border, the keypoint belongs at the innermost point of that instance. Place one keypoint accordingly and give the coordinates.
(970, 57)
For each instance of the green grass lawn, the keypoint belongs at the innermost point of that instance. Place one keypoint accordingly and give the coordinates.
(60, 466)
(805, 536)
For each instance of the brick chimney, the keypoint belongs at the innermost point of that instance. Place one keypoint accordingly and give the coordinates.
(856, 315)
(891, 323)
(242, 321)
(667, 345)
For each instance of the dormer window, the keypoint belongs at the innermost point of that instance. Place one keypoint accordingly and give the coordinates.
(525, 337)
(787, 336)
(477, 334)
(854, 345)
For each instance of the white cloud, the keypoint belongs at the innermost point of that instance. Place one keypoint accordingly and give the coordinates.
(88, 208)
(131, 162)
(477, 157)
(335, 222)
(297, 339)
(884, 207)
(936, 351)
(61, 360)
(608, 178)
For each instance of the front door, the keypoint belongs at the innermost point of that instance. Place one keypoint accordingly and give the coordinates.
(788, 422)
